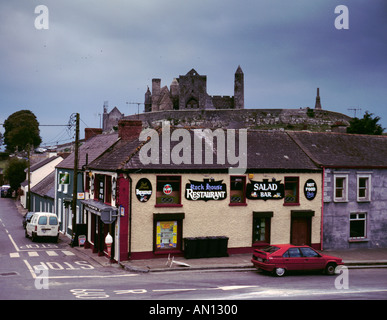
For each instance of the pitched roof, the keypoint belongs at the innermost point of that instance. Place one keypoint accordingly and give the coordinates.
(46, 187)
(343, 150)
(264, 151)
(93, 148)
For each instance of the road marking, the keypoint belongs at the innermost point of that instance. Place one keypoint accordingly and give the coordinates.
(52, 253)
(30, 269)
(33, 254)
(13, 242)
(68, 253)
(14, 255)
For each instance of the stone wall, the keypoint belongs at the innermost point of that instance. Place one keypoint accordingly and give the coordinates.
(280, 119)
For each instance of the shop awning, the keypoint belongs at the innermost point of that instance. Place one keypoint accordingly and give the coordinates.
(107, 213)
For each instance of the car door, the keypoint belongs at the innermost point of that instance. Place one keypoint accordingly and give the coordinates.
(293, 259)
(312, 259)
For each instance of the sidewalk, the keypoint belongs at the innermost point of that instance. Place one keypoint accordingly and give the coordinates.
(353, 258)
(359, 258)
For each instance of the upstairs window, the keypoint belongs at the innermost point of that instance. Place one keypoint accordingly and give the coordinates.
(168, 191)
(291, 191)
(341, 188)
(363, 188)
(237, 190)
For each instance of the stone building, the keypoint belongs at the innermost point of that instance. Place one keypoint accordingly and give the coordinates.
(190, 92)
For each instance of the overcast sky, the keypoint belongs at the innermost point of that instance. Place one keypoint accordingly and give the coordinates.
(96, 51)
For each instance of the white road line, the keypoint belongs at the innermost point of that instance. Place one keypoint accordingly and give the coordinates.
(14, 255)
(52, 253)
(30, 269)
(33, 254)
(13, 242)
(68, 253)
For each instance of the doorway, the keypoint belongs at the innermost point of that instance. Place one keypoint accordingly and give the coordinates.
(301, 228)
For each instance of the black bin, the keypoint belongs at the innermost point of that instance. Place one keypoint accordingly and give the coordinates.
(190, 248)
(222, 247)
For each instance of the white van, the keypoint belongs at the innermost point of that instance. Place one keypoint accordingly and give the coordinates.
(43, 224)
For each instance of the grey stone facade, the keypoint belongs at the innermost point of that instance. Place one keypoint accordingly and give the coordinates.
(337, 213)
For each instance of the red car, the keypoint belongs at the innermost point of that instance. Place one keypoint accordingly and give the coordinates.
(286, 257)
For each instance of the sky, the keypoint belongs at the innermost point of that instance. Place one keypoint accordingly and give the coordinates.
(89, 52)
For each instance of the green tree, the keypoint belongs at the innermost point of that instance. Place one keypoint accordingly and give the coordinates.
(14, 172)
(21, 129)
(366, 125)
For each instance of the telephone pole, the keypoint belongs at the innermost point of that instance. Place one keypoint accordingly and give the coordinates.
(75, 180)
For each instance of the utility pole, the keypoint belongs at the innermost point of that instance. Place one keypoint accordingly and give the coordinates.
(75, 181)
(138, 107)
(28, 195)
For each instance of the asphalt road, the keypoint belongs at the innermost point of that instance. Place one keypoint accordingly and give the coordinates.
(44, 270)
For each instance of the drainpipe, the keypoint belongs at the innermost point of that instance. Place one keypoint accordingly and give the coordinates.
(130, 216)
(322, 209)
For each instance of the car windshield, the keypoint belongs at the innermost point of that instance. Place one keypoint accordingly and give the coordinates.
(270, 249)
(53, 221)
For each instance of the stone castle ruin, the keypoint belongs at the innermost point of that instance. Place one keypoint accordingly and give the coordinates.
(186, 103)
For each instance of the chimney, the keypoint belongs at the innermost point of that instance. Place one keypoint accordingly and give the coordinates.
(129, 129)
(92, 132)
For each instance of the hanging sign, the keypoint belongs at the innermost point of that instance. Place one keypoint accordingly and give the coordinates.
(205, 190)
(310, 189)
(265, 190)
(143, 190)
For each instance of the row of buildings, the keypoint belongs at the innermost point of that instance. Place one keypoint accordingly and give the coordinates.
(152, 189)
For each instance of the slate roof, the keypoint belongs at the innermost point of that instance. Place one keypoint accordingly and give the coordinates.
(46, 187)
(93, 147)
(343, 150)
(265, 151)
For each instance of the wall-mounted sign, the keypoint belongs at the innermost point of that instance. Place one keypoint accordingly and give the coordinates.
(265, 190)
(64, 178)
(143, 190)
(205, 190)
(167, 189)
(310, 189)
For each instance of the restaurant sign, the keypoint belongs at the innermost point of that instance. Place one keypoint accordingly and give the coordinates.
(205, 190)
(265, 190)
(310, 189)
(143, 190)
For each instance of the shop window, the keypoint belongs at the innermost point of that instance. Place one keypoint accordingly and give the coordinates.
(291, 191)
(357, 226)
(363, 188)
(238, 190)
(341, 188)
(168, 191)
(168, 232)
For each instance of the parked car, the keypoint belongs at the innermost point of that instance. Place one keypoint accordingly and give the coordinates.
(27, 218)
(286, 257)
(6, 191)
(43, 224)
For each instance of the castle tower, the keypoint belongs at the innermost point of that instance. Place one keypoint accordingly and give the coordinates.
(148, 101)
(239, 95)
(318, 101)
(156, 83)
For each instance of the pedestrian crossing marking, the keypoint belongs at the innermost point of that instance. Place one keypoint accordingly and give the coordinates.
(68, 253)
(50, 253)
(33, 254)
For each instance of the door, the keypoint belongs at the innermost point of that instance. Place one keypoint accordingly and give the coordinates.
(301, 231)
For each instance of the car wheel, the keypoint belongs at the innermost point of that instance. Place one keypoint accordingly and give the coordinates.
(279, 272)
(26, 234)
(33, 237)
(330, 269)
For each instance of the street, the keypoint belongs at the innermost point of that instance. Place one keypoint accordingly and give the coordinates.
(45, 270)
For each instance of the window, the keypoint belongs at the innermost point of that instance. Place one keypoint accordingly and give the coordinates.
(238, 190)
(42, 220)
(167, 232)
(168, 191)
(291, 191)
(363, 188)
(108, 190)
(261, 228)
(357, 226)
(292, 253)
(53, 221)
(308, 252)
(341, 188)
